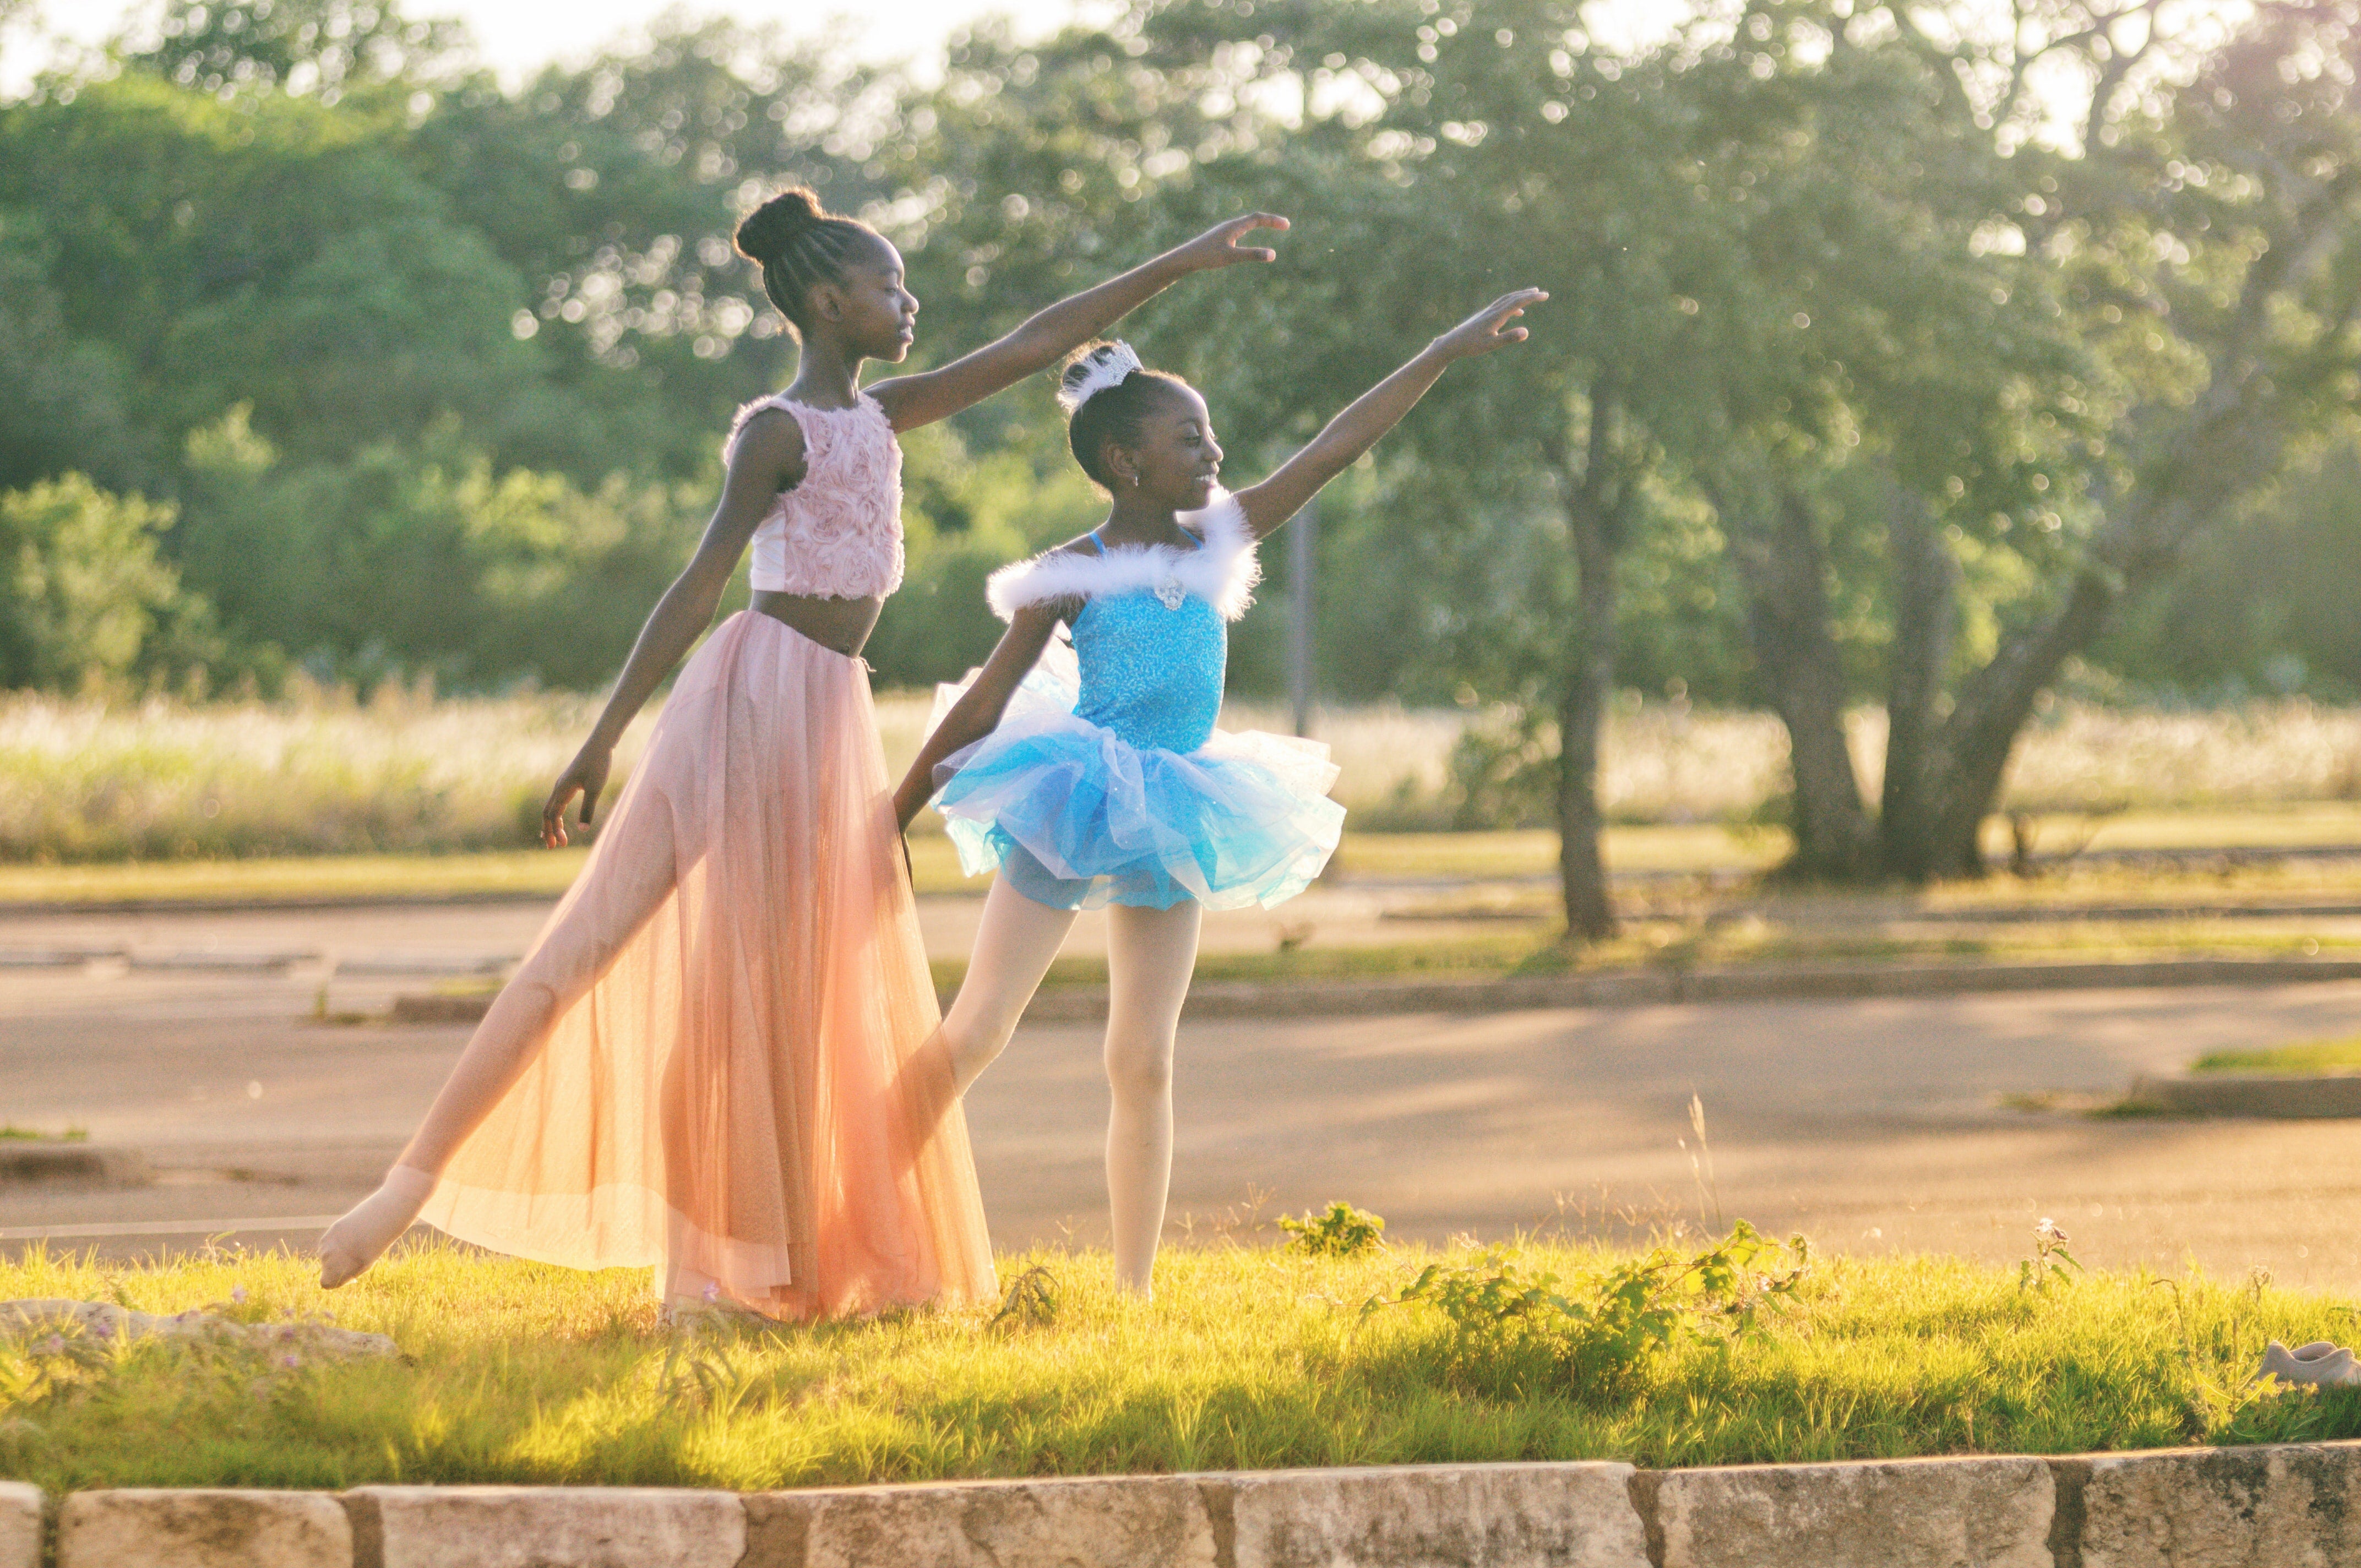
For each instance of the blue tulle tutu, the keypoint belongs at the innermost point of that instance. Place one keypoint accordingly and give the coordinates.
(1076, 816)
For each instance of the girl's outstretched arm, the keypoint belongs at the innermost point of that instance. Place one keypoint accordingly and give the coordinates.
(767, 457)
(1050, 336)
(979, 707)
(1378, 411)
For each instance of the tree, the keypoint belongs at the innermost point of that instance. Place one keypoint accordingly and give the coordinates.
(224, 48)
(1458, 149)
(1879, 373)
(82, 594)
(2212, 243)
(612, 190)
(2202, 239)
(269, 250)
(64, 409)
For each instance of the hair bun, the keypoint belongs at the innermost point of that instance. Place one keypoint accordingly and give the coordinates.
(770, 227)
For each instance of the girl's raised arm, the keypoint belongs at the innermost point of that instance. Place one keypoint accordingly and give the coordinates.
(978, 709)
(1378, 411)
(1050, 336)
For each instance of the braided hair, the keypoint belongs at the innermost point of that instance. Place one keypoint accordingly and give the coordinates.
(798, 244)
(1113, 413)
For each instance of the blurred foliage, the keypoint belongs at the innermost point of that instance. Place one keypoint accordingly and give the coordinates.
(347, 358)
(84, 598)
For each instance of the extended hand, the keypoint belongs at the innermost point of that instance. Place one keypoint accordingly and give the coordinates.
(1488, 328)
(1219, 246)
(585, 775)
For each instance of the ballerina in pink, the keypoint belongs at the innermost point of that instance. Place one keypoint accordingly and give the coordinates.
(722, 1056)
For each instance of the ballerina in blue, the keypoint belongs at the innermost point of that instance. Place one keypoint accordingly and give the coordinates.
(1092, 774)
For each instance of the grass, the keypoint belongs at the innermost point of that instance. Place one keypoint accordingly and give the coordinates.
(1364, 858)
(319, 773)
(1370, 855)
(325, 771)
(548, 872)
(1540, 949)
(12, 1133)
(316, 878)
(1251, 1356)
(2309, 1058)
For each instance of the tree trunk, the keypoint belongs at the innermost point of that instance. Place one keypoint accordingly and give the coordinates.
(1972, 750)
(1594, 501)
(1926, 619)
(1786, 572)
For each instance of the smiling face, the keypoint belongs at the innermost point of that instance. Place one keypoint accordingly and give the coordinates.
(1175, 460)
(869, 305)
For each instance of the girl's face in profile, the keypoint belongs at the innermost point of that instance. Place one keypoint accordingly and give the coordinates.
(1177, 460)
(874, 308)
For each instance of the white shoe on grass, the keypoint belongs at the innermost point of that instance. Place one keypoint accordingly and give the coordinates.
(2319, 1363)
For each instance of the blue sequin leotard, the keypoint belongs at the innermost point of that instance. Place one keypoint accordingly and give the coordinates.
(1107, 780)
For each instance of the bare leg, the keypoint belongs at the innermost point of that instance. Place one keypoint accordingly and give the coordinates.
(635, 875)
(1013, 947)
(1151, 954)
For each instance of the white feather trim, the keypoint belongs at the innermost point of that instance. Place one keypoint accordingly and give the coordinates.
(1222, 573)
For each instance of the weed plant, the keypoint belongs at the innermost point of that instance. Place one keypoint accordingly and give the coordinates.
(1341, 1231)
(1250, 1357)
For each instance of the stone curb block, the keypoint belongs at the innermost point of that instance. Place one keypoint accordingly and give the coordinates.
(1470, 1516)
(219, 1528)
(1135, 1521)
(1928, 1513)
(20, 1525)
(545, 1527)
(2296, 1506)
(2284, 1507)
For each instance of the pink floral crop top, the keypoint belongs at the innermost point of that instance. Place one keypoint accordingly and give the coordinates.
(839, 533)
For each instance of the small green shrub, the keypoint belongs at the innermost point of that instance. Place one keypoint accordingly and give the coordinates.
(1342, 1231)
(1598, 1334)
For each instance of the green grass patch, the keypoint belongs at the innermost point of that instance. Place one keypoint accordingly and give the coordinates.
(1489, 955)
(534, 872)
(2309, 1058)
(12, 1133)
(1250, 1357)
(1541, 950)
(1367, 857)
(318, 878)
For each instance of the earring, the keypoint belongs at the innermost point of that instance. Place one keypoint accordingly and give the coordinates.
(1134, 481)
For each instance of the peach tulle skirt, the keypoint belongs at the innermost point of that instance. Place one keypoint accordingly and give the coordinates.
(743, 1080)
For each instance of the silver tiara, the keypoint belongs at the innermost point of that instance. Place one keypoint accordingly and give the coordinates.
(1106, 367)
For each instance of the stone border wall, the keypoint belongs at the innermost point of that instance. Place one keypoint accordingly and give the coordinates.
(2229, 1507)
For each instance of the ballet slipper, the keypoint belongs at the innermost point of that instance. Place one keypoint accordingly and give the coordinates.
(2319, 1363)
(373, 1224)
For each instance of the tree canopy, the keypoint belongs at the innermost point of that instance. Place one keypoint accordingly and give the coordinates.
(1891, 358)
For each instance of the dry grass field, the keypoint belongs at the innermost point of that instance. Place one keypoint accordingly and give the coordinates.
(325, 773)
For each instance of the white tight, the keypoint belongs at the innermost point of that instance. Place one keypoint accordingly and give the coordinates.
(1151, 953)
(564, 965)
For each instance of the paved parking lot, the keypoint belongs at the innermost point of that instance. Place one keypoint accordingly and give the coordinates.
(1874, 1125)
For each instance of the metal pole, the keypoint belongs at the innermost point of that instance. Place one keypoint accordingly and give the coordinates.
(1299, 631)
